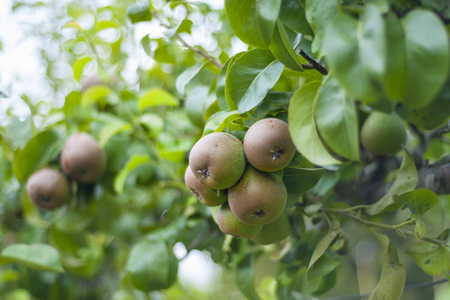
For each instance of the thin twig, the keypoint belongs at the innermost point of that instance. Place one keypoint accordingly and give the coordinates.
(192, 48)
(385, 226)
(313, 63)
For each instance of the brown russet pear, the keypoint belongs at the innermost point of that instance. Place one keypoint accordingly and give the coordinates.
(258, 198)
(229, 224)
(268, 145)
(205, 195)
(274, 232)
(217, 160)
(383, 134)
(48, 188)
(82, 158)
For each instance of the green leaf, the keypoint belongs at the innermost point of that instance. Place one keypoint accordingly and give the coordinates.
(251, 77)
(253, 21)
(245, 278)
(73, 24)
(218, 121)
(302, 127)
(113, 125)
(320, 14)
(133, 163)
(78, 67)
(151, 265)
(336, 119)
(137, 13)
(393, 275)
(153, 122)
(345, 60)
(405, 181)
(104, 24)
(418, 201)
(320, 265)
(433, 259)
(187, 76)
(427, 51)
(37, 256)
(157, 97)
(282, 47)
(396, 64)
(39, 150)
(435, 113)
(220, 87)
(93, 94)
(299, 180)
(292, 14)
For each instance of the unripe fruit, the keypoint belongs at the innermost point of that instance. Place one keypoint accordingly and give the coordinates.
(205, 195)
(48, 188)
(258, 198)
(383, 134)
(82, 158)
(268, 145)
(229, 224)
(274, 232)
(217, 160)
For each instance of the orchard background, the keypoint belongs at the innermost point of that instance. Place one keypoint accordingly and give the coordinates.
(149, 78)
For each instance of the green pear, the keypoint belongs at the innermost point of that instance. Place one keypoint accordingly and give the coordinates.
(217, 160)
(82, 158)
(48, 188)
(205, 195)
(274, 232)
(383, 134)
(258, 198)
(229, 224)
(268, 145)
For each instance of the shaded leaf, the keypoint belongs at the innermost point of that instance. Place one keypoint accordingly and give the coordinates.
(302, 126)
(39, 150)
(139, 13)
(251, 77)
(405, 181)
(336, 119)
(282, 47)
(320, 14)
(418, 201)
(37, 256)
(157, 97)
(392, 279)
(245, 279)
(292, 14)
(133, 163)
(300, 180)
(253, 21)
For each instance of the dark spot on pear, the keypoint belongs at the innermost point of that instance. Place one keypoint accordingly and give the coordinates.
(259, 214)
(204, 173)
(276, 154)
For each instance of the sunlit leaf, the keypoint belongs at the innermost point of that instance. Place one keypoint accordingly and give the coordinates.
(187, 76)
(302, 126)
(133, 163)
(73, 24)
(94, 93)
(251, 77)
(220, 120)
(157, 97)
(78, 67)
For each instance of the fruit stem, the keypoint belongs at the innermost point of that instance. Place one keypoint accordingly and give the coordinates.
(403, 232)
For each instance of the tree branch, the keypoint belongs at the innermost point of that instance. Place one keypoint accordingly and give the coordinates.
(185, 44)
(313, 64)
(404, 232)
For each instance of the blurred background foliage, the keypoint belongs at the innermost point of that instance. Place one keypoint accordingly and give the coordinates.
(148, 79)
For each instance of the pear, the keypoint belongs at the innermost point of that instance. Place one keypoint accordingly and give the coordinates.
(48, 188)
(274, 232)
(268, 145)
(82, 158)
(217, 160)
(205, 195)
(383, 134)
(229, 224)
(258, 198)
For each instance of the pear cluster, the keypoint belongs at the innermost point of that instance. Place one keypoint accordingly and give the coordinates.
(82, 159)
(243, 178)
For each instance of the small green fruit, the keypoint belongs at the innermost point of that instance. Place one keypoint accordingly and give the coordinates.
(383, 134)
(229, 224)
(48, 188)
(82, 158)
(268, 145)
(205, 195)
(217, 160)
(258, 198)
(274, 232)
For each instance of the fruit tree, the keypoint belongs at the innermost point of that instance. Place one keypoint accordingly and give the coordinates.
(303, 146)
